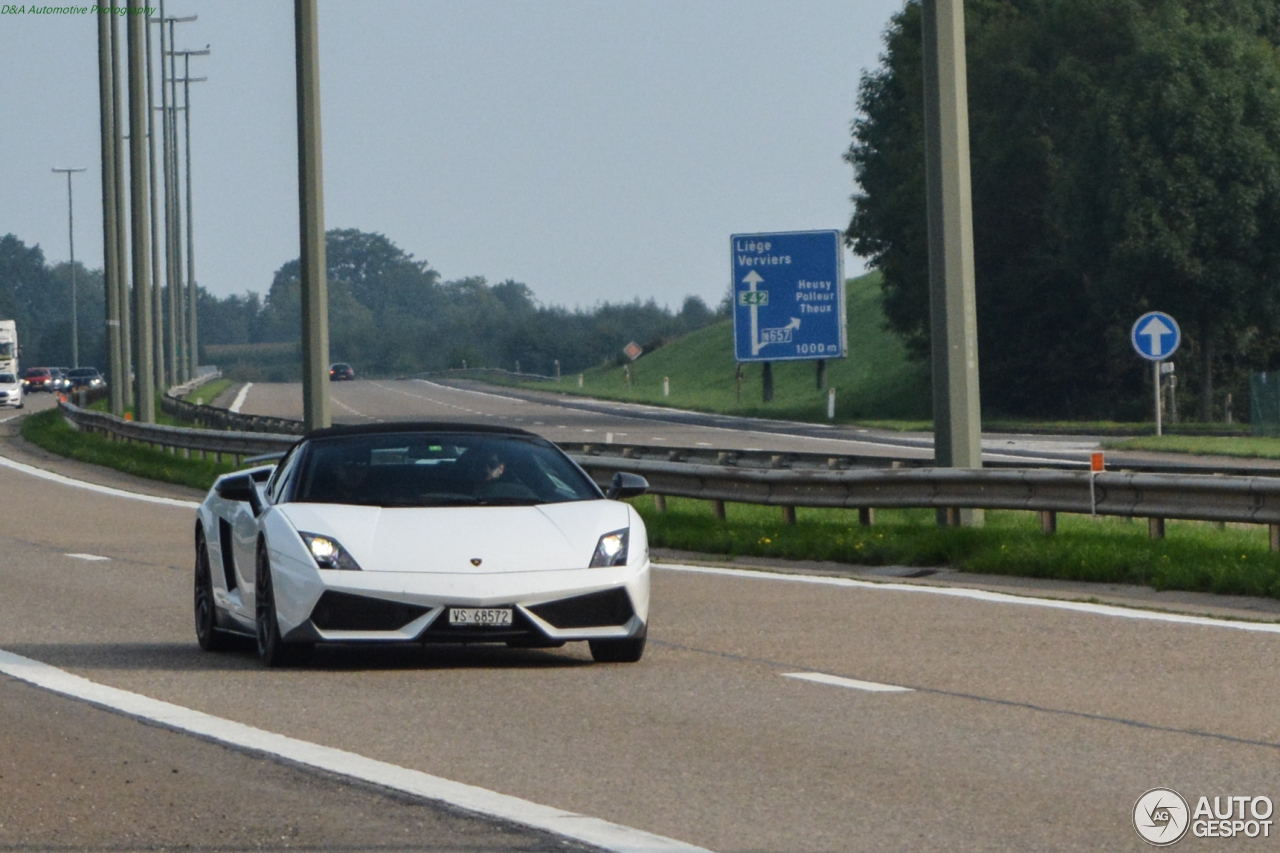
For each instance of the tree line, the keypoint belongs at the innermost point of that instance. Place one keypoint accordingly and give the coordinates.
(1125, 157)
(389, 314)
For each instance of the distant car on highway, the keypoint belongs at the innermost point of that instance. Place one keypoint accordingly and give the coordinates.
(10, 391)
(341, 371)
(422, 533)
(37, 379)
(60, 380)
(85, 379)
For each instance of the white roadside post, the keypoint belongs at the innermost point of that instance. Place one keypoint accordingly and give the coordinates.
(831, 404)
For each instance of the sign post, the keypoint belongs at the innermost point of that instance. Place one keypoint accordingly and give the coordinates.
(789, 300)
(1155, 337)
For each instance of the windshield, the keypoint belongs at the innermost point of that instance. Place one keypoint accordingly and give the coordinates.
(6, 349)
(8, 379)
(83, 371)
(411, 469)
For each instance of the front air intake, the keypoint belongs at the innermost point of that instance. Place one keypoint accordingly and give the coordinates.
(342, 611)
(609, 608)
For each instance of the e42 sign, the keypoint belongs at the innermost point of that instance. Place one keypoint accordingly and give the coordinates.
(789, 301)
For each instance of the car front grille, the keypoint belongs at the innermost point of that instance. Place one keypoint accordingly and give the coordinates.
(342, 611)
(610, 607)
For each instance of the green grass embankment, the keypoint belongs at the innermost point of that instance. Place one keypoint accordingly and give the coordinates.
(1194, 556)
(1243, 446)
(208, 392)
(50, 431)
(876, 382)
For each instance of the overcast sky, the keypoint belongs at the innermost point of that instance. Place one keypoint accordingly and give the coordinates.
(592, 150)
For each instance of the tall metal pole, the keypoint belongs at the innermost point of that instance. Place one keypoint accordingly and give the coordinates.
(125, 380)
(957, 413)
(71, 241)
(168, 207)
(141, 224)
(110, 225)
(157, 294)
(315, 301)
(193, 352)
(178, 293)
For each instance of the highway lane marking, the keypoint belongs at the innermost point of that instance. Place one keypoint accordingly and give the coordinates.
(987, 596)
(6, 462)
(353, 411)
(240, 398)
(589, 830)
(93, 558)
(428, 399)
(852, 683)
(469, 391)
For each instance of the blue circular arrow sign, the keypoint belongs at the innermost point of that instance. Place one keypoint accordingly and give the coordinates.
(1155, 336)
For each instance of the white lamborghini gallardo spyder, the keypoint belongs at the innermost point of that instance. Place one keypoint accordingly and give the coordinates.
(421, 533)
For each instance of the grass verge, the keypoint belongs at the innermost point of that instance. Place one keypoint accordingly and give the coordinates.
(1194, 556)
(1245, 446)
(50, 431)
(208, 392)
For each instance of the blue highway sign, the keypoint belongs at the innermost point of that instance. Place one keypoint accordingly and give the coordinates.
(1155, 336)
(788, 296)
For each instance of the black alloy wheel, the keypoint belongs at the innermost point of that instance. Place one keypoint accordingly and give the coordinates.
(207, 633)
(272, 649)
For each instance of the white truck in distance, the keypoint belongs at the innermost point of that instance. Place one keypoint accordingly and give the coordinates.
(8, 347)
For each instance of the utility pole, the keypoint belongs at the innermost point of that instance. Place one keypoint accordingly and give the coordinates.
(193, 353)
(139, 107)
(106, 110)
(957, 414)
(157, 294)
(125, 380)
(71, 241)
(315, 301)
(172, 207)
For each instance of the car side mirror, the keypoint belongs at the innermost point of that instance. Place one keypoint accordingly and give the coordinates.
(625, 485)
(240, 488)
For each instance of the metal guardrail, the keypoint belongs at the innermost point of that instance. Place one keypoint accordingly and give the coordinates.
(1156, 496)
(184, 440)
(213, 417)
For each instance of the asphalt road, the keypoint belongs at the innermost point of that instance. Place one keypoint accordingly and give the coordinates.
(563, 418)
(1023, 727)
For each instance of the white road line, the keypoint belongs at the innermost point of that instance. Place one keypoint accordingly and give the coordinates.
(469, 391)
(589, 830)
(351, 410)
(853, 683)
(5, 462)
(244, 392)
(984, 595)
(93, 558)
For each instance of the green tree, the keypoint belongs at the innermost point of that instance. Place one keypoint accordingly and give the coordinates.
(1124, 157)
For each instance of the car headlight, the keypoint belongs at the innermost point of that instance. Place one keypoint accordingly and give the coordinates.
(328, 554)
(611, 550)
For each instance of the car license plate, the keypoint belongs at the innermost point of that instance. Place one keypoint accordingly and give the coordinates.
(484, 617)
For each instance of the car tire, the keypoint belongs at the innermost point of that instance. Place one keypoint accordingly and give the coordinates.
(617, 651)
(273, 651)
(207, 633)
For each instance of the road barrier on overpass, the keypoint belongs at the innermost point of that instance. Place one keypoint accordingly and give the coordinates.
(1130, 494)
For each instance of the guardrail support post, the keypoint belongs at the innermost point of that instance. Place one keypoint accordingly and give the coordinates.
(1274, 536)
(866, 516)
(789, 515)
(1155, 526)
(660, 503)
(717, 509)
(1048, 521)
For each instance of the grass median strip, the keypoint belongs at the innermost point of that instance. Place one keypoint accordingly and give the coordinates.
(1194, 556)
(51, 432)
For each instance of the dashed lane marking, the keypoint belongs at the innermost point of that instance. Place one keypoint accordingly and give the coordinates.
(93, 558)
(852, 683)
